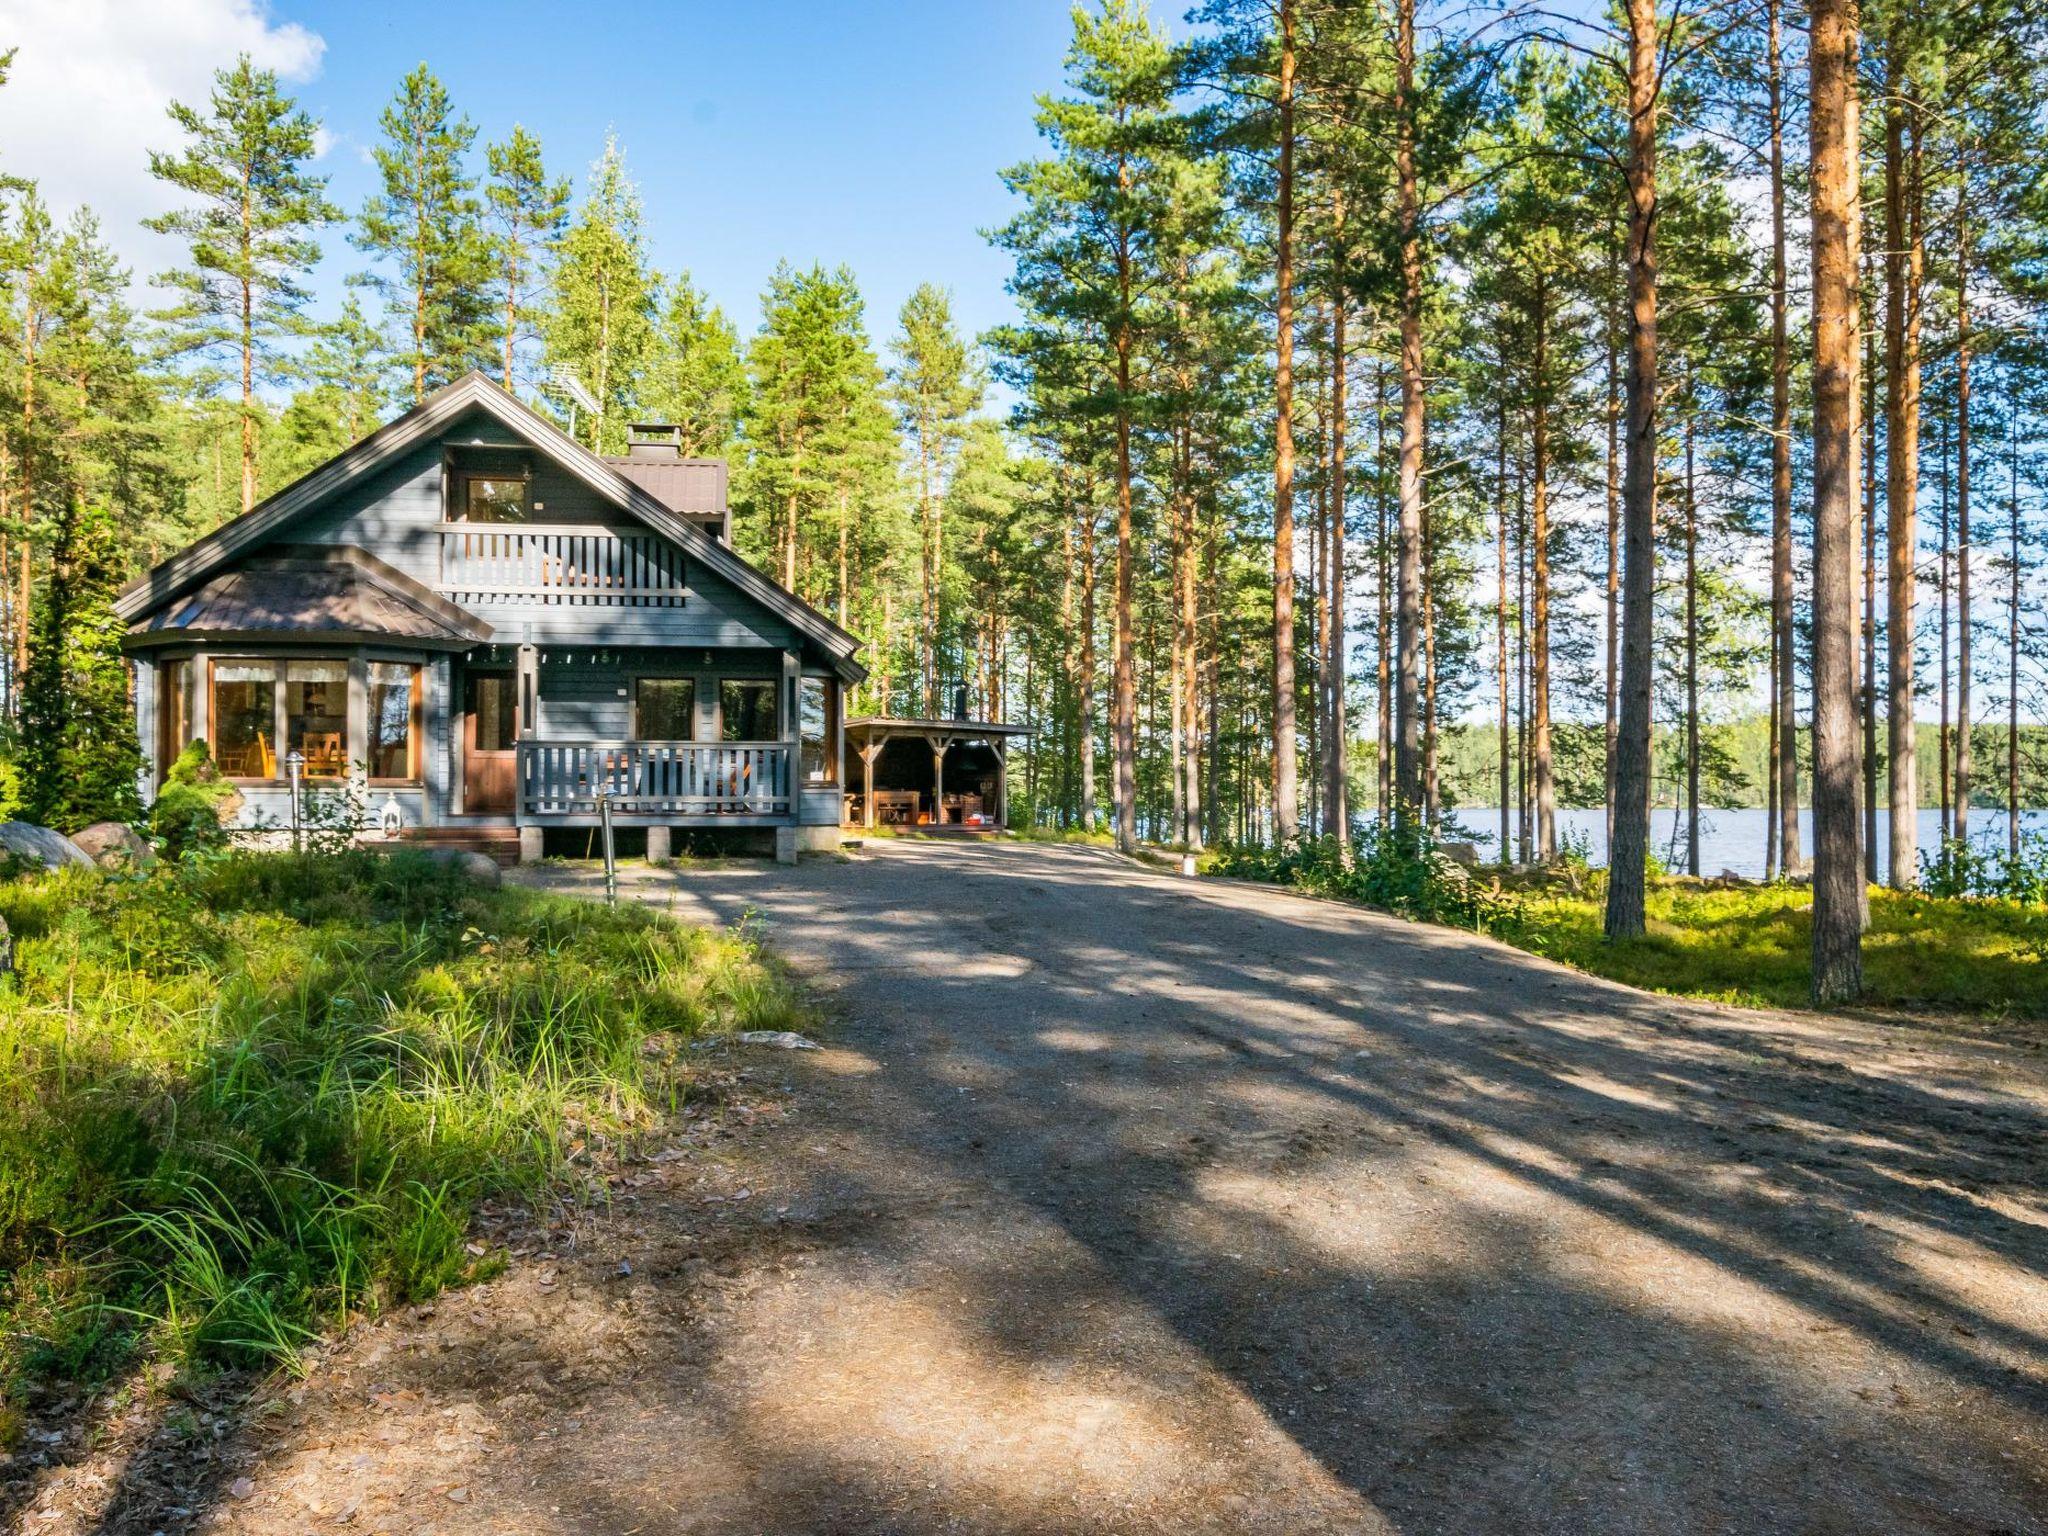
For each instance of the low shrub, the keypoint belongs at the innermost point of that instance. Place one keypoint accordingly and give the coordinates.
(244, 1096)
(1397, 866)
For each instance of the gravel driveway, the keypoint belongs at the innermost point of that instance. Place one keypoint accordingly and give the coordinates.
(1125, 1203)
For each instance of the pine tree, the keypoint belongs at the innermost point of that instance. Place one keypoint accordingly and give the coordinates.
(602, 325)
(695, 377)
(250, 236)
(936, 391)
(528, 212)
(426, 224)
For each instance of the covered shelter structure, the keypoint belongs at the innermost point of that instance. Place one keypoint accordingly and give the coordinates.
(903, 772)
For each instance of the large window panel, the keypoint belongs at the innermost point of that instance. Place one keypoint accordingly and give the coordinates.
(173, 711)
(665, 709)
(814, 708)
(746, 710)
(245, 718)
(494, 499)
(316, 715)
(394, 720)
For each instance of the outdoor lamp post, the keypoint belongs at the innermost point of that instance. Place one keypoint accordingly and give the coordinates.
(295, 764)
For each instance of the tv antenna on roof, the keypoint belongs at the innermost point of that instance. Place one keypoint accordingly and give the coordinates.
(562, 380)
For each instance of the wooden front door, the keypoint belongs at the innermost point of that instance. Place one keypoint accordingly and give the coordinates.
(490, 736)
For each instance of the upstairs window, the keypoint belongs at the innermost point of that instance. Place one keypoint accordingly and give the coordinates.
(495, 499)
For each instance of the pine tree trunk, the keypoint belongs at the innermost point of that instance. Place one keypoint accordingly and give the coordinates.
(1539, 552)
(1785, 764)
(1692, 650)
(248, 288)
(1286, 814)
(1124, 663)
(1085, 683)
(1383, 757)
(1336, 787)
(1630, 846)
(1408, 622)
(1500, 618)
(2012, 653)
(1868, 677)
(1904, 263)
(1963, 649)
(1837, 858)
(1612, 680)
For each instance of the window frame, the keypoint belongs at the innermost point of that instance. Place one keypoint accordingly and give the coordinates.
(356, 725)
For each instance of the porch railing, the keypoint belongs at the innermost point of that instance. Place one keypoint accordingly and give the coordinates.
(652, 779)
(559, 565)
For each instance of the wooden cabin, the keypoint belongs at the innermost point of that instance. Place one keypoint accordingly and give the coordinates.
(490, 627)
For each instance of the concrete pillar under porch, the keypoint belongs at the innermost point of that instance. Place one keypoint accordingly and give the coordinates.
(529, 845)
(658, 851)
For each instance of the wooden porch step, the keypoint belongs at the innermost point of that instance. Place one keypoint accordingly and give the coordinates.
(498, 843)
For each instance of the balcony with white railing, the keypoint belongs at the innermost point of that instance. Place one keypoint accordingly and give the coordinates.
(577, 565)
(655, 781)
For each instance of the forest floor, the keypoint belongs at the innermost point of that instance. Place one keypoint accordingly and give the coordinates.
(1118, 1202)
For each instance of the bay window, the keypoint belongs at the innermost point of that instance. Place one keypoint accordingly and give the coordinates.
(263, 709)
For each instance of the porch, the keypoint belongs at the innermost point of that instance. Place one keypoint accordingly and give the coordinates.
(940, 775)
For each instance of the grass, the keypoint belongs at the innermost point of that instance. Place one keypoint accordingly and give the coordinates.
(1738, 943)
(243, 1098)
(1751, 945)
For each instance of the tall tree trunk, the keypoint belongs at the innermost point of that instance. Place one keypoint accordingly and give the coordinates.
(1946, 760)
(1867, 421)
(1286, 815)
(1522, 821)
(1085, 683)
(1500, 618)
(1904, 264)
(1639, 490)
(1692, 647)
(1612, 680)
(1785, 766)
(2012, 651)
(1336, 788)
(1539, 565)
(1963, 649)
(1837, 858)
(1124, 664)
(1408, 764)
(248, 287)
(1383, 765)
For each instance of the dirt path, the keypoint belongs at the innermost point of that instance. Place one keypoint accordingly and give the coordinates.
(1125, 1204)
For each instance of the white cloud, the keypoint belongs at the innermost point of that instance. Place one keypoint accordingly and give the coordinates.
(91, 82)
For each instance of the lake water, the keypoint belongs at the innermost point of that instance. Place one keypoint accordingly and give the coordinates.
(1734, 840)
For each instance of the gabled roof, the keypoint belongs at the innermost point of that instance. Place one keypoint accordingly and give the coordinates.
(198, 562)
(335, 591)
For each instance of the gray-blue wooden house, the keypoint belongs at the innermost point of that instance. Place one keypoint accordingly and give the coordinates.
(492, 626)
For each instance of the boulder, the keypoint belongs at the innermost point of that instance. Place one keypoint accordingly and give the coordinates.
(30, 844)
(477, 868)
(1466, 854)
(114, 845)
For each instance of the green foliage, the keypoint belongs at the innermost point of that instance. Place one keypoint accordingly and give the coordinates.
(696, 379)
(1958, 868)
(426, 223)
(249, 233)
(1398, 866)
(528, 210)
(602, 324)
(241, 1098)
(79, 759)
(188, 814)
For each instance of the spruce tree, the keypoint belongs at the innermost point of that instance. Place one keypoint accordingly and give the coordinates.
(250, 234)
(79, 758)
(426, 224)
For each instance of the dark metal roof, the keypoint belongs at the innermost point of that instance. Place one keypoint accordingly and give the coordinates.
(693, 487)
(327, 591)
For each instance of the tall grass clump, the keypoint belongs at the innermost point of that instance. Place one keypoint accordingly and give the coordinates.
(248, 1094)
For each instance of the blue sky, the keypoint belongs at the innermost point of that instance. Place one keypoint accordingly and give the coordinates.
(864, 134)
